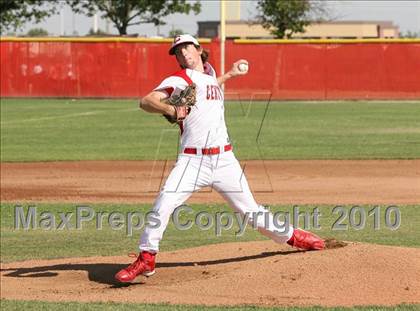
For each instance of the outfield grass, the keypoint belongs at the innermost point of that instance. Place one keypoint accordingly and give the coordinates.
(52, 129)
(39, 305)
(18, 244)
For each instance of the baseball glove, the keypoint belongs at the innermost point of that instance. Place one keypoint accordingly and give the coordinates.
(182, 103)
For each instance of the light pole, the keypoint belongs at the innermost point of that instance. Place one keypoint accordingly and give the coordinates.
(222, 38)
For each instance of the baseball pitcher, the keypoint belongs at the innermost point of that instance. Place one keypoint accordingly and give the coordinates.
(193, 99)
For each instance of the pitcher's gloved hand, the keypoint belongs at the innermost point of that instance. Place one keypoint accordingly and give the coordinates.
(182, 103)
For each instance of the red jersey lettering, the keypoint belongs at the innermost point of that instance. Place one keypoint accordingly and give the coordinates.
(213, 92)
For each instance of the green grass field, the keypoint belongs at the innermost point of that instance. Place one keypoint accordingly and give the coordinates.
(52, 129)
(37, 305)
(55, 130)
(18, 244)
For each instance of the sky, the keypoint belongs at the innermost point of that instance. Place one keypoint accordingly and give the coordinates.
(405, 14)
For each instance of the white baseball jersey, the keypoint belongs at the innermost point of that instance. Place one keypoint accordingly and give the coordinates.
(205, 126)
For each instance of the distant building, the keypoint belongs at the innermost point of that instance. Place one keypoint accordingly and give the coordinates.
(237, 29)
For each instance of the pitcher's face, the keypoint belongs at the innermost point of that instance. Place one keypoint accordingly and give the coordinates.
(188, 56)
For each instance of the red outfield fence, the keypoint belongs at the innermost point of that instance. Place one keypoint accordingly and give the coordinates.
(125, 67)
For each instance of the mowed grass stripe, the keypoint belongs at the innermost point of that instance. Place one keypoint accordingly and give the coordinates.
(72, 115)
(41, 305)
(63, 129)
(18, 244)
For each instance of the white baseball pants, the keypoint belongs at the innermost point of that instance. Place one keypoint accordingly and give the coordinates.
(223, 173)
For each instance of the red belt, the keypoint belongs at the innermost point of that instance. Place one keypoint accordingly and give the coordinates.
(207, 151)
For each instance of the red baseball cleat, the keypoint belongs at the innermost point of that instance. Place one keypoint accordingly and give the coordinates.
(306, 240)
(144, 265)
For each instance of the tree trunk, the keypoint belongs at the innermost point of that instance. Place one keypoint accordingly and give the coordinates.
(122, 29)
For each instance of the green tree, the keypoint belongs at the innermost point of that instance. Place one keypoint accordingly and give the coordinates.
(125, 13)
(411, 34)
(15, 13)
(99, 32)
(175, 32)
(286, 17)
(37, 32)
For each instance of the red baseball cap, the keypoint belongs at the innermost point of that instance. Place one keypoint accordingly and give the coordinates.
(182, 39)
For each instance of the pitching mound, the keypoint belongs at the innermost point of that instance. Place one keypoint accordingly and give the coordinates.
(255, 273)
(332, 243)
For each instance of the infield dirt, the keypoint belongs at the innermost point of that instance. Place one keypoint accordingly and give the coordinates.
(272, 182)
(256, 273)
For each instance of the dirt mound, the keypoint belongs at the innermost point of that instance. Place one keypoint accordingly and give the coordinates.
(255, 273)
(332, 243)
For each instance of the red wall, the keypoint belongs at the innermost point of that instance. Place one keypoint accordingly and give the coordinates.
(287, 71)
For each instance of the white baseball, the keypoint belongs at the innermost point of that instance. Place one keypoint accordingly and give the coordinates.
(243, 67)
